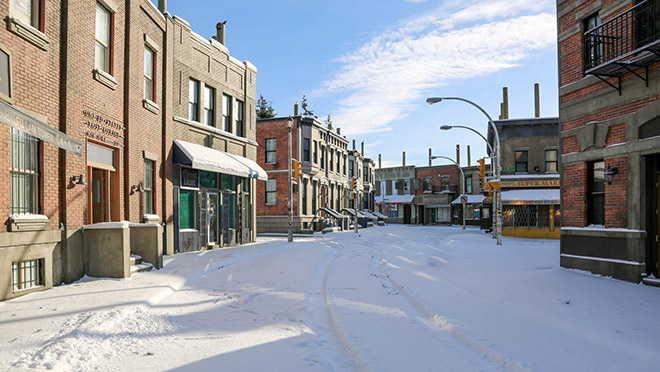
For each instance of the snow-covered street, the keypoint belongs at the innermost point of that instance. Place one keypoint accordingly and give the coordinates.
(392, 298)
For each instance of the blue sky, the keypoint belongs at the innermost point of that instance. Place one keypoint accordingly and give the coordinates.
(371, 64)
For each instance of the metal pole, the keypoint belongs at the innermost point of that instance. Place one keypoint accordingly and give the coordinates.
(462, 175)
(290, 237)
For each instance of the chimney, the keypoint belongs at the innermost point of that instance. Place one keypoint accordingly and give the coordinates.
(404, 158)
(430, 154)
(220, 32)
(504, 107)
(469, 164)
(458, 154)
(379, 163)
(296, 109)
(339, 131)
(537, 102)
(362, 148)
(353, 145)
(162, 6)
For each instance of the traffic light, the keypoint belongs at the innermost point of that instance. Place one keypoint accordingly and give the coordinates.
(354, 183)
(297, 169)
(482, 172)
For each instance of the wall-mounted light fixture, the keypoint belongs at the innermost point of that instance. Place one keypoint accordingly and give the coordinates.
(79, 180)
(137, 188)
(609, 174)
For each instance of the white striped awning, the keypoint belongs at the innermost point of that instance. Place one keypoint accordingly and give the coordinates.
(207, 159)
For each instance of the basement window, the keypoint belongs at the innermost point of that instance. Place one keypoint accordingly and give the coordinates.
(27, 274)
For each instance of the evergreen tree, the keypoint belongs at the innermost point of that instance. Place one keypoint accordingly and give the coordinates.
(265, 109)
(328, 122)
(303, 105)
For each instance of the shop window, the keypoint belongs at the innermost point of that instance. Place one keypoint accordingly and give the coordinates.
(596, 193)
(226, 113)
(239, 119)
(521, 161)
(103, 50)
(209, 105)
(149, 67)
(551, 161)
(271, 191)
(208, 179)
(24, 172)
(27, 274)
(271, 150)
(193, 100)
(187, 207)
(305, 152)
(148, 186)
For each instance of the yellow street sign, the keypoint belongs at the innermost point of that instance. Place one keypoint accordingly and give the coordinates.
(493, 185)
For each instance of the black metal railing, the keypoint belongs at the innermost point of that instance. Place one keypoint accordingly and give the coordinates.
(622, 36)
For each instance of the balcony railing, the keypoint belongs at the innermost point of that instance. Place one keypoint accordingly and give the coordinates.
(616, 47)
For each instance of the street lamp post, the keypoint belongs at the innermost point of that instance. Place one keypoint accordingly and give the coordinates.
(498, 167)
(448, 127)
(463, 184)
(289, 124)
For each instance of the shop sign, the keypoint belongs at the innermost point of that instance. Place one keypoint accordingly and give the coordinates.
(103, 129)
(530, 183)
(189, 177)
(34, 127)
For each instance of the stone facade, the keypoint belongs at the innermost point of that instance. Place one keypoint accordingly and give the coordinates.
(607, 123)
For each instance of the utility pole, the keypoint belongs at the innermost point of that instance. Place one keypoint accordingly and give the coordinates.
(289, 124)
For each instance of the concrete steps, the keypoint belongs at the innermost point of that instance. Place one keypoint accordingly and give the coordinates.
(137, 266)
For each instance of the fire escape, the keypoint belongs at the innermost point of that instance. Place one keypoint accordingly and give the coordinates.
(627, 43)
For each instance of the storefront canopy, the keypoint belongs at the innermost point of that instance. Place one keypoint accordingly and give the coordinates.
(207, 159)
(534, 196)
(395, 199)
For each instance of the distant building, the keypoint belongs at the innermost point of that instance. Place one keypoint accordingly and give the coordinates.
(326, 171)
(609, 109)
(530, 177)
(395, 192)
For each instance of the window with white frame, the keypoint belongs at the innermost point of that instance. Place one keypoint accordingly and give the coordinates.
(226, 113)
(27, 11)
(551, 161)
(193, 100)
(149, 60)
(271, 191)
(103, 49)
(209, 105)
(239, 118)
(24, 172)
(271, 150)
(148, 186)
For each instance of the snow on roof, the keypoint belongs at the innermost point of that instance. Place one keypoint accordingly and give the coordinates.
(395, 199)
(204, 158)
(530, 195)
(471, 199)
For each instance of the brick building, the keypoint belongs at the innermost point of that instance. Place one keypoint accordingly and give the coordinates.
(213, 123)
(609, 79)
(326, 170)
(82, 124)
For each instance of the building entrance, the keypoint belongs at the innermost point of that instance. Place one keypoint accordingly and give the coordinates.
(653, 215)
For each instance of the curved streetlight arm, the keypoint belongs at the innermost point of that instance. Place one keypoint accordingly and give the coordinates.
(474, 130)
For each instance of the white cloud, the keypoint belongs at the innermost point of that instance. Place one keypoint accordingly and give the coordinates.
(385, 77)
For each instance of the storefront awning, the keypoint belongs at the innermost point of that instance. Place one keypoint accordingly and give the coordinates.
(535, 196)
(207, 159)
(395, 199)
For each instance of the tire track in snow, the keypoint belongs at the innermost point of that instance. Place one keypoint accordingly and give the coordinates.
(319, 278)
(435, 321)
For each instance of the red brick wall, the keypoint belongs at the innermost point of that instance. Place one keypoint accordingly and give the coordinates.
(435, 173)
(616, 194)
(35, 83)
(574, 201)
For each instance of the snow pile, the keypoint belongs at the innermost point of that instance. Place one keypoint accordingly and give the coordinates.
(87, 339)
